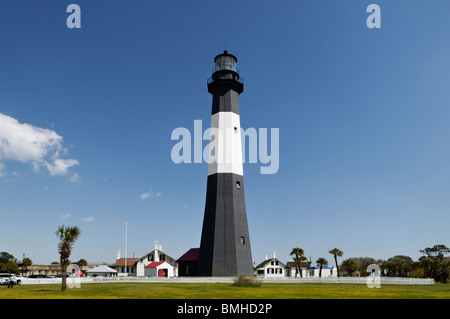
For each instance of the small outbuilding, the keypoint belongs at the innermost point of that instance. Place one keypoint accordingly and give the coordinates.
(327, 271)
(159, 269)
(102, 271)
(187, 264)
(79, 273)
(291, 269)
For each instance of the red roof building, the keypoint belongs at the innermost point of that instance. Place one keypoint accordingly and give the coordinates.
(187, 264)
(136, 266)
(154, 264)
(190, 255)
(121, 262)
(159, 269)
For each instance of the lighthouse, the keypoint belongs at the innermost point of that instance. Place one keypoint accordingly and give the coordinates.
(225, 242)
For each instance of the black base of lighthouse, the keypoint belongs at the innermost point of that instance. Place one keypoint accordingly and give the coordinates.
(225, 243)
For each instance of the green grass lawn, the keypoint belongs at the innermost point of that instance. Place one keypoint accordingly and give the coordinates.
(225, 291)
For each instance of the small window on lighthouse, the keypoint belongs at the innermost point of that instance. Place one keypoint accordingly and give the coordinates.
(238, 184)
(242, 241)
(235, 129)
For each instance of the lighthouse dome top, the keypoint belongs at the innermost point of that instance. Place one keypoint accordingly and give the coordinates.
(225, 61)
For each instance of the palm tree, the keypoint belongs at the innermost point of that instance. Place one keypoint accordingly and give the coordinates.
(82, 263)
(26, 262)
(67, 237)
(336, 252)
(321, 262)
(299, 257)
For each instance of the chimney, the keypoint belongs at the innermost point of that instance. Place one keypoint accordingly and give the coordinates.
(160, 248)
(274, 255)
(118, 254)
(266, 256)
(156, 252)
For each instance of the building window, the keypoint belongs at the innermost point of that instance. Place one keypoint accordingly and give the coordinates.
(242, 241)
(235, 129)
(238, 184)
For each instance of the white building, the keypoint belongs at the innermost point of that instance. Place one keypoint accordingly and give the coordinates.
(270, 268)
(273, 268)
(291, 269)
(101, 271)
(136, 266)
(159, 269)
(327, 271)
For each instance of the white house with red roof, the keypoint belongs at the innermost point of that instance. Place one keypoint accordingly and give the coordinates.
(159, 269)
(137, 266)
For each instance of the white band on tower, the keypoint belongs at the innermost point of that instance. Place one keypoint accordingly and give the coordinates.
(225, 150)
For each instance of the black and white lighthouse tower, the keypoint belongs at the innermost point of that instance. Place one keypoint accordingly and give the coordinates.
(225, 242)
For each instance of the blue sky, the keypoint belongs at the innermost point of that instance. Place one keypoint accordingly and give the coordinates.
(362, 113)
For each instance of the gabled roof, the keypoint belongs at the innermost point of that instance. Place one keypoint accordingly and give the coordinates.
(102, 268)
(265, 262)
(291, 264)
(121, 262)
(145, 256)
(154, 264)
(153, 252)
(190, 255)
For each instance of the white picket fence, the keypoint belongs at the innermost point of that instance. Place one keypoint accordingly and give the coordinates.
(356, 280)
(286, 280)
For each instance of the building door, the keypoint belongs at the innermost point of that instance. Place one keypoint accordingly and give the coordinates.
(162, 272)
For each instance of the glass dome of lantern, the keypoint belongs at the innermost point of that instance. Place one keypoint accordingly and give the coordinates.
(225, 61)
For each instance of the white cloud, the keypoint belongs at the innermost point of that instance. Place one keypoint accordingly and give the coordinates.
(89, 219)
(32, 145)
(60, 166)
(74, 178)
(64, 216)
(150, 194)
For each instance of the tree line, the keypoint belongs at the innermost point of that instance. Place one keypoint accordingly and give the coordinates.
(433, 263)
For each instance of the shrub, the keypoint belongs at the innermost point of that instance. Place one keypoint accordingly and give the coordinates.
(243, 280)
